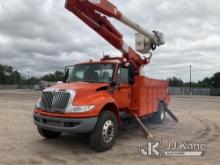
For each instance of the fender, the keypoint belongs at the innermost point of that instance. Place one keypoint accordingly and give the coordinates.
(102, 100)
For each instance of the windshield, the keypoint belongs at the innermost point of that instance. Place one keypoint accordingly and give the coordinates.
(94, 73)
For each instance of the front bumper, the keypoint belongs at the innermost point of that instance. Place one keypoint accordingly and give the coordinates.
(65, 125)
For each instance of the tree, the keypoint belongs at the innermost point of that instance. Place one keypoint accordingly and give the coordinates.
(31, 81)
(2, 75)
(175, 82)
(206, 83)
(57, 76)
(48, 78)
(215, 80)
(8, 75)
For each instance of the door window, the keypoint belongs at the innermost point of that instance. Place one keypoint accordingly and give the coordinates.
(122, 76)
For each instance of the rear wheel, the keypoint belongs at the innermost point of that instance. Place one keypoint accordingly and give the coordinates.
(48, 134)
(159, 116)
(105, 132)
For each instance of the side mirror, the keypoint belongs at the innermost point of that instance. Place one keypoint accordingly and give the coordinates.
(131, 73)
(67, 70)
(112, 84)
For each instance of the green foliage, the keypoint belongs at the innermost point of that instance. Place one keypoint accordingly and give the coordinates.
(206, 83)
(10, 76)
(31, 81)
(215, 80)
(175, 82)
(57, 76)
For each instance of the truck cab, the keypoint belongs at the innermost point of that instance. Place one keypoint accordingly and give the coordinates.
(93, 92)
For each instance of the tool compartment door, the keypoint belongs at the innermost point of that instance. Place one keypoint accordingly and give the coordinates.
(146, 95)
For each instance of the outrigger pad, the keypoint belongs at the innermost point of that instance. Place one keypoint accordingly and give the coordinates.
(143, 128)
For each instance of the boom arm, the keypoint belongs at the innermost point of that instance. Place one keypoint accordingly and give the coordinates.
(94, 12)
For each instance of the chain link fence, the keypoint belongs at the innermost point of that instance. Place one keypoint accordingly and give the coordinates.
(16, 86)
(195, 91)
(215, 92)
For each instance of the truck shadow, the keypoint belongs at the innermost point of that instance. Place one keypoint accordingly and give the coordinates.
(79, 143)
(132, 130)
(70, 142)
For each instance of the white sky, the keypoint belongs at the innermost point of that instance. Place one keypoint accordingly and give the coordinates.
(42, 36)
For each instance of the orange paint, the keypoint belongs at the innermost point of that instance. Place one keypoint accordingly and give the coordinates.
(141, 98)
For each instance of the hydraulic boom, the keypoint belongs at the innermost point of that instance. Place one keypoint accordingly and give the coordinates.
(95, 12)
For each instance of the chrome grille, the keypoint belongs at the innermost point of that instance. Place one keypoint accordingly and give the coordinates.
(54, 101)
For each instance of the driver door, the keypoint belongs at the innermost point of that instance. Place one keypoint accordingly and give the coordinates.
(122, 94)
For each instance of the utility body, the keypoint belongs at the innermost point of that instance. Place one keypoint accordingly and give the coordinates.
(98, 93)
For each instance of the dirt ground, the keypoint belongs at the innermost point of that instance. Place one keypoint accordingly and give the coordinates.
(20, 143)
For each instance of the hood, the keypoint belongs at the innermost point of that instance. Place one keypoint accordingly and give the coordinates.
(80, 86)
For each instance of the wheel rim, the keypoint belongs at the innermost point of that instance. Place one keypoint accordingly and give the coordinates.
(108, 131)
(162, 115)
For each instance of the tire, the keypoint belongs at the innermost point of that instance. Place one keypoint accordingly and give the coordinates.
(160, 115)
(48, 134)
(103, 136)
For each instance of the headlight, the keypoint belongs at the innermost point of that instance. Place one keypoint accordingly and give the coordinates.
(79, 109)
(37, 105)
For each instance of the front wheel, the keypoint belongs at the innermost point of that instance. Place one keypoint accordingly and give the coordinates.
(48, 134)
(103, 136)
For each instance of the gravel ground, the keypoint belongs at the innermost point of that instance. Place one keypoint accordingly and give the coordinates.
(20, 143)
